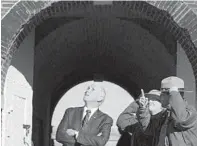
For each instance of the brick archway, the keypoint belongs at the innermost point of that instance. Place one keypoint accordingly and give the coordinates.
(41, 11)
(30, 14)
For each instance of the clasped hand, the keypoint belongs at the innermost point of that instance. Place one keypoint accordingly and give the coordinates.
(71, 132)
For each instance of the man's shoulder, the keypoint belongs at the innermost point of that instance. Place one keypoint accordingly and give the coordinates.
(106, 116)
(134, 104)
(192, 110)
(73, 109)
(190, 107)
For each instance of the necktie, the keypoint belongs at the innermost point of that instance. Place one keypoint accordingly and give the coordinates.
(86, 118)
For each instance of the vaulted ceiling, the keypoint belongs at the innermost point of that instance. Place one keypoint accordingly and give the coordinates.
(132, 53)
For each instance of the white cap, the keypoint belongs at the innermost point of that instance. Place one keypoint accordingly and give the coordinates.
(172, 81)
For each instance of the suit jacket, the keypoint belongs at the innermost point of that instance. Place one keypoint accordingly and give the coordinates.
(95, 133)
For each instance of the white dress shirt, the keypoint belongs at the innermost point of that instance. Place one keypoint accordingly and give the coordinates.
(93, 110)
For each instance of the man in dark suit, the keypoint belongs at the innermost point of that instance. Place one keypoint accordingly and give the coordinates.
(86, 126)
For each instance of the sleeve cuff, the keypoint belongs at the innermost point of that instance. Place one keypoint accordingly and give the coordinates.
(76, 134)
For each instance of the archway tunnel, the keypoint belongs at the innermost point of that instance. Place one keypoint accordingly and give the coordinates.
(130, 53)
(116, 96)
(115, 43)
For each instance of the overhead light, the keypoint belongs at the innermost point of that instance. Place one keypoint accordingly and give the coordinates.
(102, 2)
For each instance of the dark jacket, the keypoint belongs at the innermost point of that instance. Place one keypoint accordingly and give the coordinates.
(177, 127)
(95, 133)
(128, 122)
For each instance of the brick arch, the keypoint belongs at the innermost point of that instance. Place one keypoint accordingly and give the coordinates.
(34, 13)
(67, 34)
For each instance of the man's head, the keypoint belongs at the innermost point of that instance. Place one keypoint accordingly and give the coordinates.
(168, 83)
(155, 105)
(94, 96)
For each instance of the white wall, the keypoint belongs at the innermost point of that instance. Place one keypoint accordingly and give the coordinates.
(18, 95)
(184, 71)
(117, 99)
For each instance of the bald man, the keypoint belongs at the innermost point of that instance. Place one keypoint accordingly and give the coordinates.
(87, 125)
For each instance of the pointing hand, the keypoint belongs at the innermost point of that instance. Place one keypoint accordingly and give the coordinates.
(143, 101)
